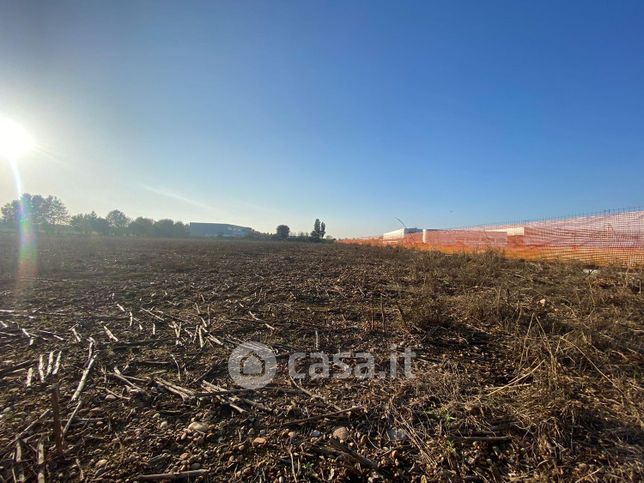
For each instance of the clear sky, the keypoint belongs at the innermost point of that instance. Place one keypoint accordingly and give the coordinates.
(260, 113)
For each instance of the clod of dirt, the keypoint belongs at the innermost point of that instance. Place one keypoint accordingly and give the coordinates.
(259, 441)
(341, 433)
(198, 427)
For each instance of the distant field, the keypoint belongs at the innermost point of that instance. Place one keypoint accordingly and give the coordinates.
(523, 369)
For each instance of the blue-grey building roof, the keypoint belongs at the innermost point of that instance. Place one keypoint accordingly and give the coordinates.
(218, 229)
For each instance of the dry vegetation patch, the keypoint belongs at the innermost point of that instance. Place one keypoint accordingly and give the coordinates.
(523, 370)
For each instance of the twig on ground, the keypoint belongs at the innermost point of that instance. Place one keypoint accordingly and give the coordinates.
(41, 461)
(335, 444)
(9, 370)
(83, 379)
(71, 417)
(55, 407)
(321, 416)
(182, 392)
(172, 476)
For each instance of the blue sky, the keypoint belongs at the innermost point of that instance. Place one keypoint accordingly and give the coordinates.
(260, 113)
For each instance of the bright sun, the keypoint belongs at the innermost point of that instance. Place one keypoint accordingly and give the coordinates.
(15, 141)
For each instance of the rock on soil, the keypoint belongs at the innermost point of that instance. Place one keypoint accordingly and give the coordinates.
(196, 426)
(259, 441)
(341, 433)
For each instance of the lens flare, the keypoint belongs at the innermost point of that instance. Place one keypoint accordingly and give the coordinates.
(27, 254)
(16, 142)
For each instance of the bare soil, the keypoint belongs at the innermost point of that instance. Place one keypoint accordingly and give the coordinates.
(523, 370)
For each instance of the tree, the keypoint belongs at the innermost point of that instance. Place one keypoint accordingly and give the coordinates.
(282, 232)
(319, 229)
(43, 212)
(36, 207)
(118, 221)
(55, 212)
(88, 223)
(181, 230)
(164, 228)
(10, 212)
(142, 227)
(81, 223)
(170, 229)
(99, 225)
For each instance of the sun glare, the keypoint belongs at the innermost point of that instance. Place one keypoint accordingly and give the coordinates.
(15, 140)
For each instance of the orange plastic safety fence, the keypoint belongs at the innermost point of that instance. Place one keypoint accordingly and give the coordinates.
(607, 238)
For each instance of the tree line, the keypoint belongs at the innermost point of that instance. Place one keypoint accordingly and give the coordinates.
(283, 232)
(49, 213)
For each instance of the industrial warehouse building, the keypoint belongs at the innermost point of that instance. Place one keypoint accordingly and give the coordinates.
(223, 230)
